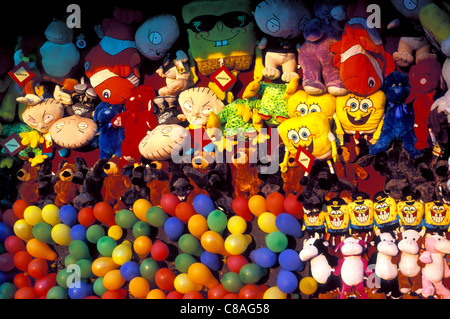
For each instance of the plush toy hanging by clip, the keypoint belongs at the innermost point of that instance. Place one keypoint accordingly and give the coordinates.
(361, 215)
(337, 221)
(385, 212)
(411, 212)
(437, 217)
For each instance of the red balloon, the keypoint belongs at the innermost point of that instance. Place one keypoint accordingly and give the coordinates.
(19, 207)
(104, 213)
(184, 211)
(21, 280)
(164, 279)
(193, 295)
(293, 207)
(9, 217)
(169, 202)
(217, 292)
(6, 262)
(43, 284)
(174, 295)
(251, 291)
(86, 216)
(25, 293)
(14, 244)
(37, 268)
(231, 296)
(275, 203)
(235, 262)
(240, 207)
(115, 294)
(159, 251)
(22, 259)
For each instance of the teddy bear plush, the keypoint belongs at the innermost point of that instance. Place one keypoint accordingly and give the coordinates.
(157, 177)
(29, 187)
(115, 183)
(65, 188)
(138, 189)
(245, 178)
(110, 138)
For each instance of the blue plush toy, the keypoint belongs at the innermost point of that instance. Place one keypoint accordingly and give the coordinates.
(111, 138)
(398, 121)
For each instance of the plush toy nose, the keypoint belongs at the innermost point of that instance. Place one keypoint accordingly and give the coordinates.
(66, 174)
(20, 174)
(107, 166)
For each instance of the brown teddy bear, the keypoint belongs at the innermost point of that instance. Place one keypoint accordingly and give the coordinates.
(245, 178)
(65, 188)
(115, 184)
(29, 188)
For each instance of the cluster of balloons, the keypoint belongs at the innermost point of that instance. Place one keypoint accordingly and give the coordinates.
(104, 261)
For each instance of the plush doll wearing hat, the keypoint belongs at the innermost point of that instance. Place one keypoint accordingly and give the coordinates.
(361, 214)
(385, 212)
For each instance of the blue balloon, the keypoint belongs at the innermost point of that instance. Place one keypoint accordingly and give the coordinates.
(78, 232)
(263, 257)
(130, 270)
(287, 281)
(289, 225)
(211, 260)
(290, 260)
(5, 231)
(80, 290)
(68, 215)
(203, 204)
(174, 228)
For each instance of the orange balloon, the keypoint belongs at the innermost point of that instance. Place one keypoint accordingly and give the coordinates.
(139, 287)
(257, 205)
(105, 213)
(213, 242)
(275, 203)
(156, 294)
(19, 207)
(113, 280)
(142, 246)
(102, 265)
(197, 225)
(39, 249)
(201, 275)
(140, 208)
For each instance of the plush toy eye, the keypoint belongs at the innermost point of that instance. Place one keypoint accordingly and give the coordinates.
(155, 38)
(384, 205)
(273, 25)
(314, 108)
(365, 105)
(410, 4)
(48, 118)
(302, 108)
(371, 81)
(187, 107)
(206, 110)
(106, 93)
(31, 122)
(167, 130)
(378, 206)
(82, 125)
(293, 135)
(60, 125)
(304, 133)
(353, 104)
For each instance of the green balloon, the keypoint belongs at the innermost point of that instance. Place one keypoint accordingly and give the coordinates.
(141, 228)
(125, 218)
(148, 269)
(276, 241)
(79, 249)
(42, 232)
(94, 233)
(106, 245)
(190, 244)
(251, 273)
(217, 221)
(7, 290)
(98, 287)
(62, 276)
(85, 268)
(183, 261)
(69, 260)
(231, 282)
(156, 216)
(57, 292)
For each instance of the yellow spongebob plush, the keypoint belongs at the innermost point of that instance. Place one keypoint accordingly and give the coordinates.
(411, 213)
(314, 222)
(337, 219)
(301, 103)
(361, 213)
(437, 216)
(360, 115)
(385, 214)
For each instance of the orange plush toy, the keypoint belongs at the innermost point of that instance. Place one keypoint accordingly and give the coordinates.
(245, 178)
(65, 188)
(115, 184)
(28, 189)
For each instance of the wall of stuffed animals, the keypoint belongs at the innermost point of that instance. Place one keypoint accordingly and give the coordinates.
(243, 149)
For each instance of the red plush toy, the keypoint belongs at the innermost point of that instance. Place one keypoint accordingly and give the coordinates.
(136, 120)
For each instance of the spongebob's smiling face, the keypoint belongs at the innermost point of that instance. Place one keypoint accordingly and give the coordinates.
(337, 217)
(436, 213)
(411, 212)
(385, 211)
(301, 103)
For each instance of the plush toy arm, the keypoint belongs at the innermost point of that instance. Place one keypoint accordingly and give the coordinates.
(244, 111)
(62, 96)
(263, 43)
(425, 257)
(333, 148)
(32, 138)
(377, 133)
(337, 269)
(259, 66)
(182, 57)
(283, 165)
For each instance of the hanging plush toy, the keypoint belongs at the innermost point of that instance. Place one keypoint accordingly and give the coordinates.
(411, 212)
(437, 217)
(385, 212)
(302, 103)
(75, 133)
(67, 187)
(110, 138)
(337, 220)
(245, 178)
(115, 183)
(29, 187)
(361, 214)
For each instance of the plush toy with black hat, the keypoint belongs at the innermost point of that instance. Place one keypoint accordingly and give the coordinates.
(361, 214)
(385, 212)
(411, 212)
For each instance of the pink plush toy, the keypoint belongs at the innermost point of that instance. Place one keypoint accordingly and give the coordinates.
(352, 266)
(436, 267)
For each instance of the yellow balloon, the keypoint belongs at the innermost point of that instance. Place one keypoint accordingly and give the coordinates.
(23, 230)
(102, 265)
(142, 246)
(266, 222)
(236, 244)
(156, 294)
(33, 215)
(237, 225)
(115, 232)
(274, 293)
(308, 285)
(201, 275)
(139, 287)
(197, 225)
(61, 234)
(122, 253)
(140, 208)
(50, 214)
(113, 280)
(183, 284)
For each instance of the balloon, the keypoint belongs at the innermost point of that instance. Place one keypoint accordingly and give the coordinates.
(148, 269)
(140, 208)
(183, 262)
(159, 251)
(201, 275)
(142, 246)
(174, 228)
(257, 205)
(156, 294)
(231, 282)
(237, 225)
(213, 242)
(184, 211)
(19, 207)
(63, 276)
(217, 221)
(203, 204)
(251, 291)
(275, 203)
(174, 295)
(274, 293)
(43, 284)
(164, 279)
(98, 287)
(236, 244)
(240, 207)
(79, 249)
(80, 290)
(6, 262)
(290, 260)
(115, 231)
(276, 241)
(104, 213)
(37, 268)
(289, 225)
(33, 215)
(197, 225)
(251, 273)
(212, 261)
(156, 216)
(115, 294)
(9, 217)
(125, 218)
(25, 293)
(78, 232)
(68, 215)
(130, 270)
(43, 232)
(264, 257)
(141, 228)
(86, 216)
(22, 259)
(169, 202)
(122, 253)
(95, 232)
(193, 295)
(106, 245)
(5, 231)
(61, 234)
(308, 285)
(39, 249)
(217, 292)
(190, 245)
(102, 265)
(14, 244)
(57, 292)
(293, 206)
(85, 266)
(184, 284)
(7, 290)
(266, 222)
(22, 280)
(236, 262)
(50, 214)
(113, 280)
(287, 282)
(23, 230)
(139, 287)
